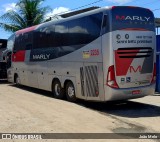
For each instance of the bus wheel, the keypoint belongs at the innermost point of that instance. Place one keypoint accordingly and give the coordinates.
(17, 80)
(70, 92)
(57, 90)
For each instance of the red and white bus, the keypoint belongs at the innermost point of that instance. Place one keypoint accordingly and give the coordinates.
(103, 54)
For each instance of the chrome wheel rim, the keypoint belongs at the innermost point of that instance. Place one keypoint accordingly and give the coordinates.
(17, 80)
(57, 89)
(71, 91)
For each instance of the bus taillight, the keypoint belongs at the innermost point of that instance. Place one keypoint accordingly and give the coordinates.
(111, 79)
(154, 74)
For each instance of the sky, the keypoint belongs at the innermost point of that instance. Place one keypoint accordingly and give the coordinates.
(60, 6)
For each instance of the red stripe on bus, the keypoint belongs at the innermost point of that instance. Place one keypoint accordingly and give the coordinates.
(123, 64)
(19, 56)
(26, 30)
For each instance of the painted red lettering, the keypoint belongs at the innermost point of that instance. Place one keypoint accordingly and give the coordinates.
(132, 69)
(95, 52)
(120, 17)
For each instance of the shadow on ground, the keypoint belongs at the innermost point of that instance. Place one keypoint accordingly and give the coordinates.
(130, 109)
(33, 90)
(4, 82)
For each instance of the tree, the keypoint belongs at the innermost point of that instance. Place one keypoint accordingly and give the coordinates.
(28, 13)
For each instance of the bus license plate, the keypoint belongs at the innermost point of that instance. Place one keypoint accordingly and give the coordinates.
(136, 92)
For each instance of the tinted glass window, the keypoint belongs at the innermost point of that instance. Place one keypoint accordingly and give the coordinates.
(93, 27)
(10, 42)
(76, 31)
(61, 34)
(28, 43)
(84, 30)
(23, 41)
(132, 17)
(105, 25)
(50, 33)
(19, 43)
(43, 37)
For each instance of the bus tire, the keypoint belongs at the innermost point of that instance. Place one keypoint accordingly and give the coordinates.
(70, 92)
(17, 80)
(58, 92)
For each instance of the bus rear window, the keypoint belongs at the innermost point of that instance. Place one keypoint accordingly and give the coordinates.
(132, 18)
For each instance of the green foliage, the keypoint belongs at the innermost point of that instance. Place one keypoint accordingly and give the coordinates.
(28, 13)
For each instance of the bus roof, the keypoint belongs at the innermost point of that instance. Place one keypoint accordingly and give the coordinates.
(73, 15)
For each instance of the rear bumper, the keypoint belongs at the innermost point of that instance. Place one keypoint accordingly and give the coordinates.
(125, 94)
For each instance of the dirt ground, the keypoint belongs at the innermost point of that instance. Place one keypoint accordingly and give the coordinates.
(28, 110)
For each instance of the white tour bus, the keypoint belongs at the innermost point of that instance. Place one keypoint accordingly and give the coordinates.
(103, 54)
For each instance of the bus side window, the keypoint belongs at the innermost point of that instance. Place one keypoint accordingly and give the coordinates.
(76, 32)
(16, 45)
(93, 27)
(61, 35)
(19, 43)
(105, 25)
(28, 40)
